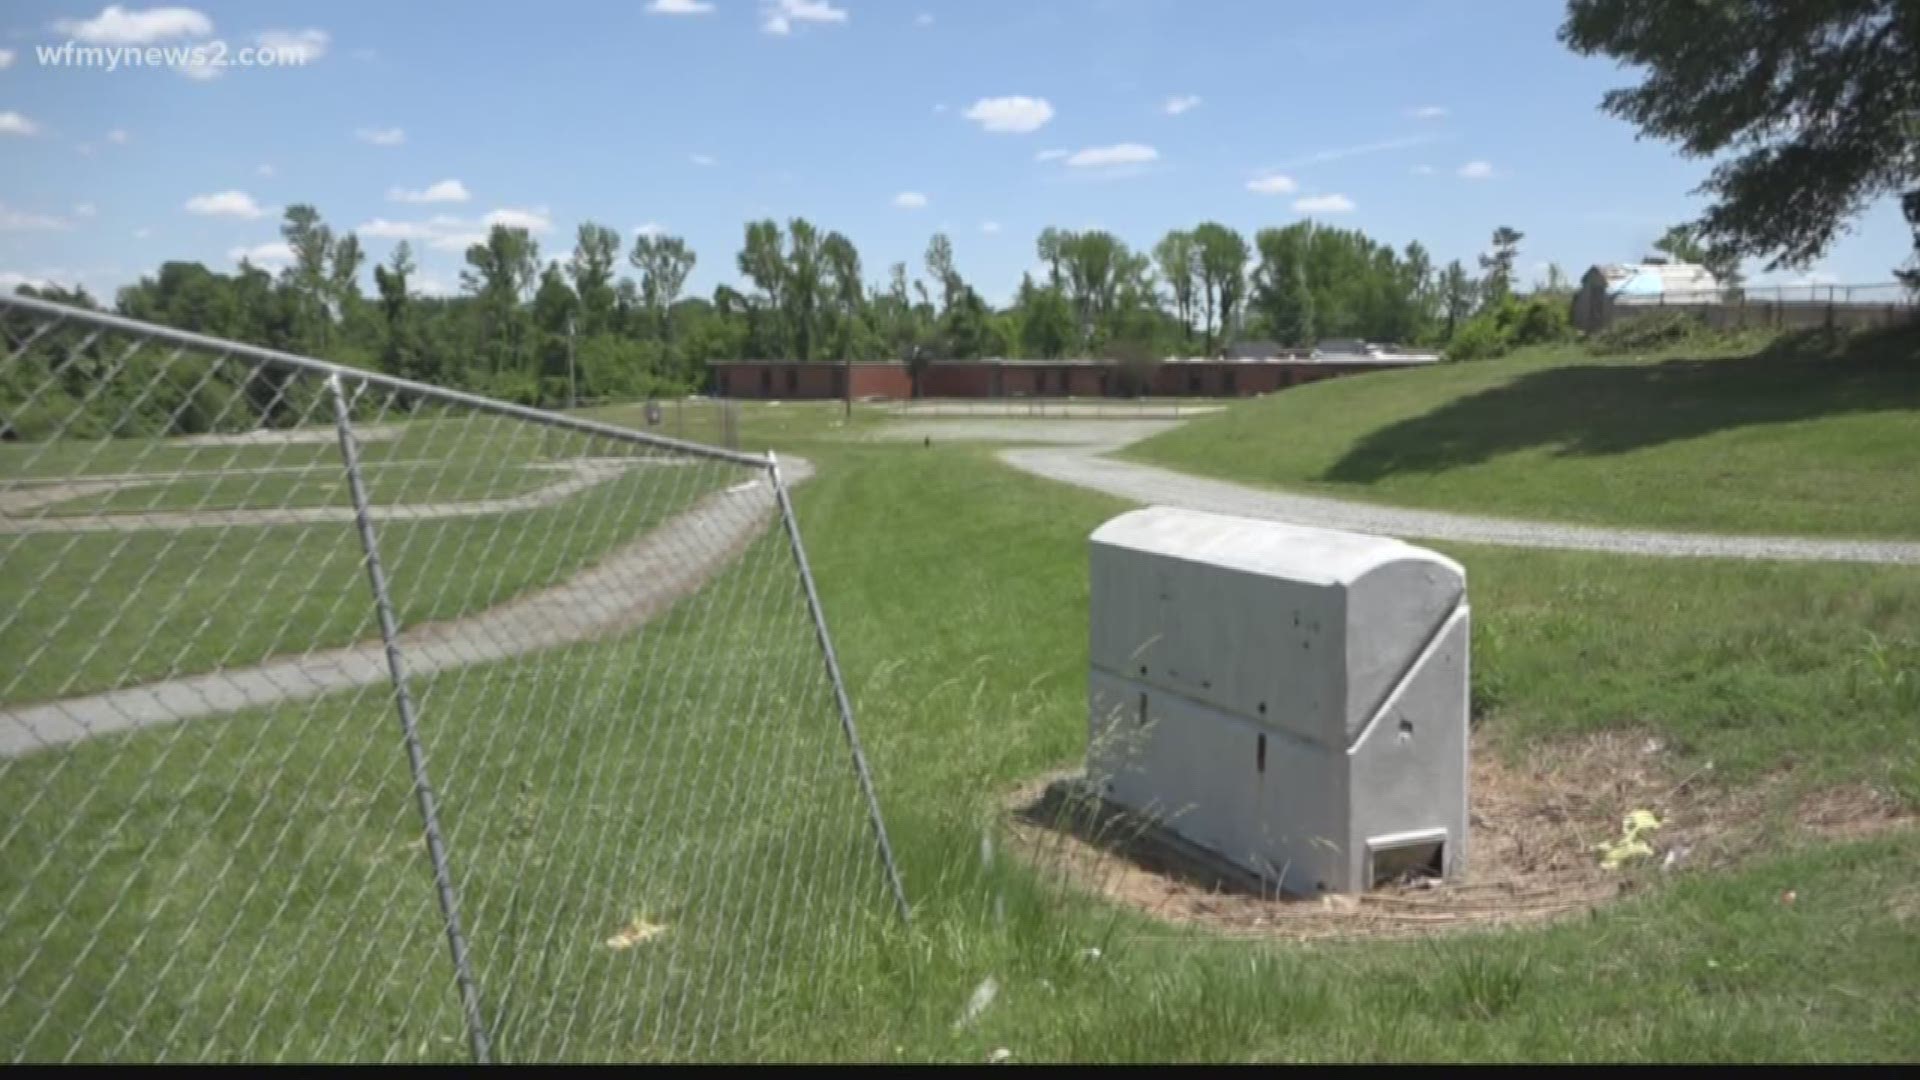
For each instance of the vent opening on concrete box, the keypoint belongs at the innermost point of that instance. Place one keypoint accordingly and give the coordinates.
(1392, 859)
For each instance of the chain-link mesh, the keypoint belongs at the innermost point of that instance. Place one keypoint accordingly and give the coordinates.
(612, 808)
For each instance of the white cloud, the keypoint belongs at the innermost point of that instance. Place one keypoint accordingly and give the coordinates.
(779, 16)
(679, 7)
(534, 221)
(1050, 155)
(425, 284)
(225, 204)
(204, 71)
(1477, 170)
(910, 200)
(118, 26)
(12, 123)
(381, 136)
(6, 59)
(1180, 103)
(295, 46)
(118, 136)
(1017, 114)
(925, 18)
(382, 229)
(273, 253)
(1336, 154)
(459, 241)
(85, 209)
(12, 220)
(651, 228)
(265, 170)
(702, 159)
(1271, 184)
(989, 227)
(444, 191)
(1428, 112)
(1324, 204)
(1423, 170)
(142, 233)
(447, 232)
(1101, 157)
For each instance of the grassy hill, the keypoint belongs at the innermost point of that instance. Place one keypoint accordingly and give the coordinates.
(965, 654)
(1803, 435)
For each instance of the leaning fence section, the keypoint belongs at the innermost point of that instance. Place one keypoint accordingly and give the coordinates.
(346, 718)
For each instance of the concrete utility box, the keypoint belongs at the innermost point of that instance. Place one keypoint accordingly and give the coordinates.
(1293, 700)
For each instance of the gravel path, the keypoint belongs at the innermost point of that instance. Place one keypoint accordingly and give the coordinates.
(621, 591)
(575, 476)
(1081, 463)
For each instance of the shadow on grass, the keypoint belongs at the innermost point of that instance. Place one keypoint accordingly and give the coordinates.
(1593, 409)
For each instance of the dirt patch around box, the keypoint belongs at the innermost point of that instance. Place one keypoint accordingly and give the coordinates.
(1533, 852)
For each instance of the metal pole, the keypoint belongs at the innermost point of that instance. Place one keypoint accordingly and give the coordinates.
(839, 688)
(573, 388)
(416, 757)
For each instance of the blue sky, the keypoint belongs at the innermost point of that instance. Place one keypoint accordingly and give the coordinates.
(884, 119)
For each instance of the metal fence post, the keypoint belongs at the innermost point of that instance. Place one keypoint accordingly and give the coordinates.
(839, 688)
(416, 757)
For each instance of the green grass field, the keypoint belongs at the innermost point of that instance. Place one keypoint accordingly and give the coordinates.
(1801, 436)
(957, 593)
(94, 611)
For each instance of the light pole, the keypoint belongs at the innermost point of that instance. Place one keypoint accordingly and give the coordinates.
(573, 391)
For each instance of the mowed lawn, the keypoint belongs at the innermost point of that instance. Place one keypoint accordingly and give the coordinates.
(87, 611)
(957, 593)
(1802, 436)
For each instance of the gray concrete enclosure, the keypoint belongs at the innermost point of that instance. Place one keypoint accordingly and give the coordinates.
(1292, 699)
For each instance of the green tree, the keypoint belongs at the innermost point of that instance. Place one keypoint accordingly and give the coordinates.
(1416, 289)
(596, 249)
(1278, 278)
(762, 261)
(664, 263)
(401, 354)
(1290, 317)
(939, 261)
(1096, 264)
(1046, 320)
(806, 291)
(1809, 105)
(1223, 258)
(1050, 247)
(1497, 264)
(556, 312)
(847, 295)
(1178, 260)
(1457, 294)
(308, 276)
(500, 275)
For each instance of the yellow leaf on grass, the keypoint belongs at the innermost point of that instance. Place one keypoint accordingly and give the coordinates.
(637, 932)
(1630, 846)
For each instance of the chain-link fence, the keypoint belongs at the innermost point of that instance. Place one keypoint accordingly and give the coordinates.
(349, 718)
(1760, 307)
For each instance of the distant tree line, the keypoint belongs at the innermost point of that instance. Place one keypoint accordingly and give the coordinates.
(617, 316)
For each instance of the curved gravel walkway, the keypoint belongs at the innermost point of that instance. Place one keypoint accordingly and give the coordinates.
(1083, 464)
(623, 590)
(575, 476)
